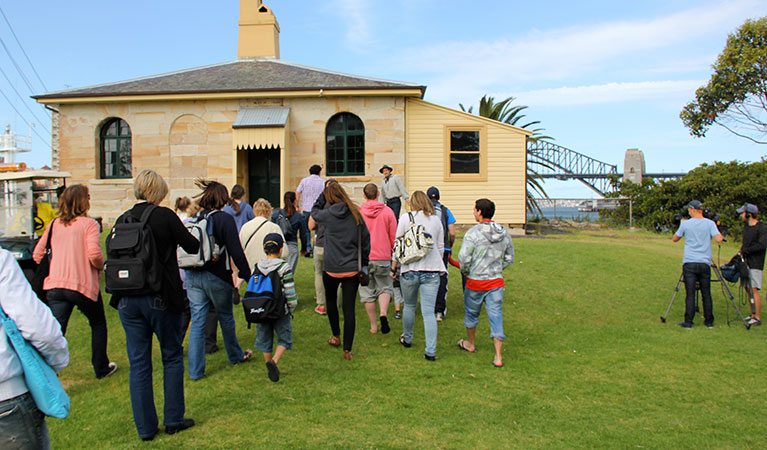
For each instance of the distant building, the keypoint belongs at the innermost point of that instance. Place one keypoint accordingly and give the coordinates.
(262, 122)
(633, 166)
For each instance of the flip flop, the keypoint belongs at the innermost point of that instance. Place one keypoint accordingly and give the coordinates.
(246, 357)
(461, 346)
(402, 341)
(498, 366)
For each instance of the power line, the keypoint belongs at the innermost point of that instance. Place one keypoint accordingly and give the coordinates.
(34, 130)
(18, 69)
(23, 100)
(22, 48)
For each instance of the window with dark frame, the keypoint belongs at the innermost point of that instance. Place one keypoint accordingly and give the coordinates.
(345, 145)
(464, 152)
(116, 152)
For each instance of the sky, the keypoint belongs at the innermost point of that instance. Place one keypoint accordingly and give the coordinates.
(600, 76)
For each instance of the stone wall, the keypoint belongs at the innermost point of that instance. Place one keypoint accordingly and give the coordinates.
(190, 139)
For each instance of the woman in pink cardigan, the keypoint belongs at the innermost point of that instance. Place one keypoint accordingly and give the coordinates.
(76, 260)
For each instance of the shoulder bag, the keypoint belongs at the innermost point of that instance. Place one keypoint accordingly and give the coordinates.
(414, 244)
(41, 379)
(43, 268)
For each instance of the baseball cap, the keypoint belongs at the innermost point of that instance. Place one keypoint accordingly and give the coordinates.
(748, 207)
(433, 193)
(273, 240)
(695, 204)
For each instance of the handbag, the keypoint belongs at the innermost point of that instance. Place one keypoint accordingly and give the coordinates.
(43, 268)
(41, 379)
(414, 244)
(363, 275)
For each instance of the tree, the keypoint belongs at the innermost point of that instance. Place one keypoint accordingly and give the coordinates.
(505, 112)
(735, 97)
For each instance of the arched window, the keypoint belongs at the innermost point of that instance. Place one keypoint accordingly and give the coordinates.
(345, 145)
(116, 149)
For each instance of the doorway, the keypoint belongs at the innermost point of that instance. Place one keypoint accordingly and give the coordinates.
(264, 175)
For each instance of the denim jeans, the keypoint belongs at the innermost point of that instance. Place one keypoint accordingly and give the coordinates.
(63, 301)
(203, 289)
(293, 255)
(141, 317)
(427, 283)
(700, 274)
(308, 247)
(265, 334)
(22, 425)
(493, 300)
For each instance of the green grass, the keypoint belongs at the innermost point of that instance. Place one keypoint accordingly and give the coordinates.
(587, 364)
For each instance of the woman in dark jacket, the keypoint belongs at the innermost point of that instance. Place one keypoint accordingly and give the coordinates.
(157, 313)
(298, 227)
(212, 284)
(342, 221)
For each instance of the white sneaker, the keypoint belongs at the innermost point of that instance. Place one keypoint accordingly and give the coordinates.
(112, 369)
(440, 316)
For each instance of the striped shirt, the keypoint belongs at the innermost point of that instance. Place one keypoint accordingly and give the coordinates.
(310, 188)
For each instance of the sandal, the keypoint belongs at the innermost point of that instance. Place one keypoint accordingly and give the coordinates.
(348, 355)
(402, 341)
(335, 341)
(246, 357)
(461, 345)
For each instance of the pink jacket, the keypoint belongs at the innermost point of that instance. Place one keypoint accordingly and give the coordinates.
(77, 257)
(382, 225)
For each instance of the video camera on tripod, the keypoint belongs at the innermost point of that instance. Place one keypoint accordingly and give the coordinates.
(685, 214)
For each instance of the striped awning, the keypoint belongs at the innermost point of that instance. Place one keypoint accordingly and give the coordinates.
(261, 127)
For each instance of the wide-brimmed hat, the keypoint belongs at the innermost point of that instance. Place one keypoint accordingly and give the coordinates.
(385, 166)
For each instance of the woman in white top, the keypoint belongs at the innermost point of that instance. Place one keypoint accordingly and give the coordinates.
(422, 275)
(253, 232)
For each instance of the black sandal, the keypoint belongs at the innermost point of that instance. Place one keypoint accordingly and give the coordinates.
(402, 341)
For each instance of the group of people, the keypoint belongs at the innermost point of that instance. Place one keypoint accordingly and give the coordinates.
(698, 231)
(352, 242)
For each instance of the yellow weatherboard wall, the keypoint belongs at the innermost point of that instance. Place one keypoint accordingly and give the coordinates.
(503, 153)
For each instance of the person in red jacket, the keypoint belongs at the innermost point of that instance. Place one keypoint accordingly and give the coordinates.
(382, 226)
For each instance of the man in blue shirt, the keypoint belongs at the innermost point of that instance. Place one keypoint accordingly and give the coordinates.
(696, 264)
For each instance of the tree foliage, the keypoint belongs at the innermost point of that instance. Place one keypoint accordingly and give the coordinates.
(736, 95)
(722, 187)
(504, 111)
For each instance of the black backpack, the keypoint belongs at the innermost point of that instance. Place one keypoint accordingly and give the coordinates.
(440, 210)
(264, 300)
(132, 266)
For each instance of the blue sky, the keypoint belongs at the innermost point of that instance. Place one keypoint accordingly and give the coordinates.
(601, 76)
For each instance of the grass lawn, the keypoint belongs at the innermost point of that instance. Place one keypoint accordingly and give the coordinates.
(587, 364)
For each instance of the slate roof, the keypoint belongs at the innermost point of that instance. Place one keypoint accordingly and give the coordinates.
(249, 75)
(263, 116)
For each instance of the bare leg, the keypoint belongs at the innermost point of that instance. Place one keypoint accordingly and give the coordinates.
(267, 357)
(278, 353)
(470, 334)
(370, 308)
(383, 304)
(498, 344)
(758, 302)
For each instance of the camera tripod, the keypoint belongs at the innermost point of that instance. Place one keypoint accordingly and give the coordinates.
(718, 278)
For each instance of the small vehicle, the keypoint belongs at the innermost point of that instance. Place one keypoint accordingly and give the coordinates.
(28, 201)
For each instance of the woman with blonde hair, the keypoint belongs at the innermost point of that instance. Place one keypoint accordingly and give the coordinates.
(252, 234)
(345, 235)
(75, 263)
(421, 276)
(158, 313)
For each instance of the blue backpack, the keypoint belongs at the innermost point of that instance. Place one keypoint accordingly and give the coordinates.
(264, 300)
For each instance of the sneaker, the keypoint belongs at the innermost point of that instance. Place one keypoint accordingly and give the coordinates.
(397, 315)
(754, 321)
(709, 325)
(173, 429)
(320, 309)
(440, 316)
(429, 357)
(112, 369)
(684, 325)
(385, 325)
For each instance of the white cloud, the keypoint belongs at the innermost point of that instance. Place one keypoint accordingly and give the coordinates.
(357, 14)
(609, 93)
(567, 53)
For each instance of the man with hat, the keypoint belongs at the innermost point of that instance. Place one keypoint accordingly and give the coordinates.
(696, 263)
(752, 251)
(392, 189)
(448, 228)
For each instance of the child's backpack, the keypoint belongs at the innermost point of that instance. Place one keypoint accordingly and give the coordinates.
(132, 266)
(264, 300)
(201, 227)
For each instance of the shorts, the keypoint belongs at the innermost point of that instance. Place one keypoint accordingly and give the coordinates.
(380, 281)
(755, 278)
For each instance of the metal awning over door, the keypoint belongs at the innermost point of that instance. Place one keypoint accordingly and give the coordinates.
(261, 127)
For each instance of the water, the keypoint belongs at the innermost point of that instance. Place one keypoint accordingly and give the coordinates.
(567, 213)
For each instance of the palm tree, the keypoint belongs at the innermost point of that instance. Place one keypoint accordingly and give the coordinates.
(505, 112)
